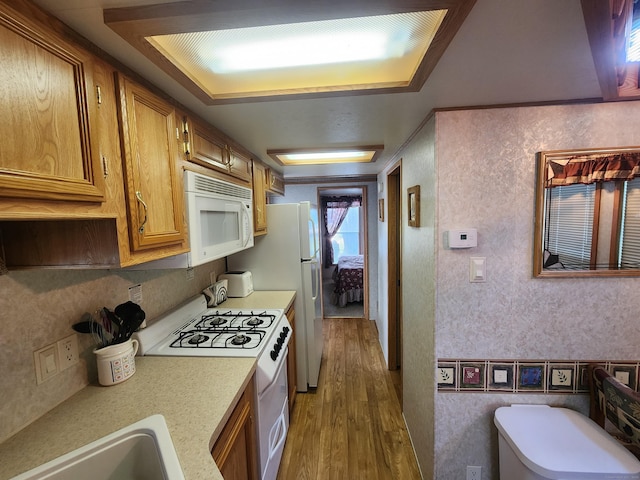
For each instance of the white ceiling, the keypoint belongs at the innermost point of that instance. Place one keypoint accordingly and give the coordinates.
(507, 51)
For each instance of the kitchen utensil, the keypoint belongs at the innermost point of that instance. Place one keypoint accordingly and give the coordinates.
(95, 329)
(117, 362)
(131, 317)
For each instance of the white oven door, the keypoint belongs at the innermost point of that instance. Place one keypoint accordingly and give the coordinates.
(273, 421)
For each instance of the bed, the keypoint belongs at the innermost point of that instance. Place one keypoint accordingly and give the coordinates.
(348, 275)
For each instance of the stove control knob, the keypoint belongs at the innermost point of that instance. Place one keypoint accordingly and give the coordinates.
(273, 355)
(283, 335)
(277, 347)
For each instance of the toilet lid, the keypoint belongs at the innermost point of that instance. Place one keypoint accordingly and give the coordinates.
(559, 443)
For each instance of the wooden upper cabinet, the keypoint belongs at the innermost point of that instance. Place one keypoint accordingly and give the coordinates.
(205, 146)
(239, 165)
(259, 199)
(153, 180)
(48, 102)
(275, 182)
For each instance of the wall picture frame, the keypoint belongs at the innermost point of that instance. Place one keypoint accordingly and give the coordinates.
(381, 209)
(413, 205)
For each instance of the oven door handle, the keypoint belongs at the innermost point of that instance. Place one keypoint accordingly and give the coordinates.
(277, 435)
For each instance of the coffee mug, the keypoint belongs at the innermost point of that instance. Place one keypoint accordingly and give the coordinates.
(117, 362)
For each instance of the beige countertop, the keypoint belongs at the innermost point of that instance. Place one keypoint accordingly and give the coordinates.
(196, 396)
(262, 299)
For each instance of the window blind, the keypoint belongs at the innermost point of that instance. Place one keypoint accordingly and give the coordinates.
(571, 207)
(630, 231)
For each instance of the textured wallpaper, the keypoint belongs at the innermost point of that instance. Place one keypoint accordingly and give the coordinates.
(38, 307)
(418, 296)
(486, 180)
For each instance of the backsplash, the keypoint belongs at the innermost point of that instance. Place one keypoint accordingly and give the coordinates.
(38, 307)
(527, 376)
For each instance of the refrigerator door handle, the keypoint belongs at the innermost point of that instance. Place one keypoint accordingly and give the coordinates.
(315, 244)
(317, 285)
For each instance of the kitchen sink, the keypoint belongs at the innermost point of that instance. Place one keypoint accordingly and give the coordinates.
(140, 451)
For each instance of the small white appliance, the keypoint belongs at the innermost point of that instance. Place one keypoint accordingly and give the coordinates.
(465, 238)
(220, 217)
(538, 442)
(192, 329)
(240, 284)
(287, 259)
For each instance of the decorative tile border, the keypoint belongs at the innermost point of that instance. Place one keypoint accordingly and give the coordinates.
(527, 376)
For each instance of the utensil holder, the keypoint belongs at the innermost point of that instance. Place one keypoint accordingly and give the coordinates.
(117, 362)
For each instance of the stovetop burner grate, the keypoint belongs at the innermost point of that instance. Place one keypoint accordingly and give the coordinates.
(239, 321)
(219, 338)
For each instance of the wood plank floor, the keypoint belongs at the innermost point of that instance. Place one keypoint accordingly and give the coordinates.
(352, 426)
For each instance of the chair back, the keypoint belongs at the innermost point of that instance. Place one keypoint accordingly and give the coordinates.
(614, 401)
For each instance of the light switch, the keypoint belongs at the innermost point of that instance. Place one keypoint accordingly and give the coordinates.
(477, 269)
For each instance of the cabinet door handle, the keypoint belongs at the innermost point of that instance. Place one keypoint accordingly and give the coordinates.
(144, 222)
(105, 167)
(227, 161)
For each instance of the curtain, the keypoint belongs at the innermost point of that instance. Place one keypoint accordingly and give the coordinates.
(335, 211)
(594, 168)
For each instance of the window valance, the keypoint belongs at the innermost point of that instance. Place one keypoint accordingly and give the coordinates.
(588, 169)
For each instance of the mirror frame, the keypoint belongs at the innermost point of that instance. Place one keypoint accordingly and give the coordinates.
(538, 252)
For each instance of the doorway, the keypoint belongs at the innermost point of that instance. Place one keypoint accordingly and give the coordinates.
(343, 247)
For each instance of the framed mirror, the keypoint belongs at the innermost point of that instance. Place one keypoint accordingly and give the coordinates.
(587, 213)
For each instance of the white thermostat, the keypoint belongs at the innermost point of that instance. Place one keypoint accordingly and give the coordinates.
(464, 238)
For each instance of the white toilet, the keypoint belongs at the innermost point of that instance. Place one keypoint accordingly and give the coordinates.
(538, 442)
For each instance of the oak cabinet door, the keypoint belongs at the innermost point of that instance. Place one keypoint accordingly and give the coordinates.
(48, 102)
(239, 166)
(206, 148)
(275, 182)
(259, 199)
(292, 370)
(150, 146)
(236, 450)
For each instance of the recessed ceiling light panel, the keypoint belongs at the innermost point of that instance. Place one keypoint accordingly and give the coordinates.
(365, 52)
(225, 51)
(326, 156)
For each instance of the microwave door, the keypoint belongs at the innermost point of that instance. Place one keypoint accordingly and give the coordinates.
(220, 229)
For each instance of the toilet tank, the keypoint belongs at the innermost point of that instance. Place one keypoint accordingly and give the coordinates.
(538, 442)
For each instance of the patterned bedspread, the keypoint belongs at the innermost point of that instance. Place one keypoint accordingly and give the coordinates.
(348, 276)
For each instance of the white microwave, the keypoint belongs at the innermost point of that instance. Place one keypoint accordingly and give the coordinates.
(220, 217)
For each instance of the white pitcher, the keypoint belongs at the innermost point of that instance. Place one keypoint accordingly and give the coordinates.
(117, 362)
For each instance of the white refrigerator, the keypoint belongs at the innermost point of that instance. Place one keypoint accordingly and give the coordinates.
(287, 258)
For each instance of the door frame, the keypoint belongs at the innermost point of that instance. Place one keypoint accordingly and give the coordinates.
(394, 266)
(363, 238)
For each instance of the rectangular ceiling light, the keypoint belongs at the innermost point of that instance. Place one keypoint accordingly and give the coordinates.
(226, 51)
(343, 54)
(310, 156)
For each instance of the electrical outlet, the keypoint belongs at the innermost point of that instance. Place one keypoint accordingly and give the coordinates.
(190, 273)
(474, 473)
(47, 365)
(67, 352)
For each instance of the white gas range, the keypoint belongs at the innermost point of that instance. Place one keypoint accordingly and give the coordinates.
(192, 329)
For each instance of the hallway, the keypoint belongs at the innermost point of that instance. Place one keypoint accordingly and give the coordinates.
(352, 426)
